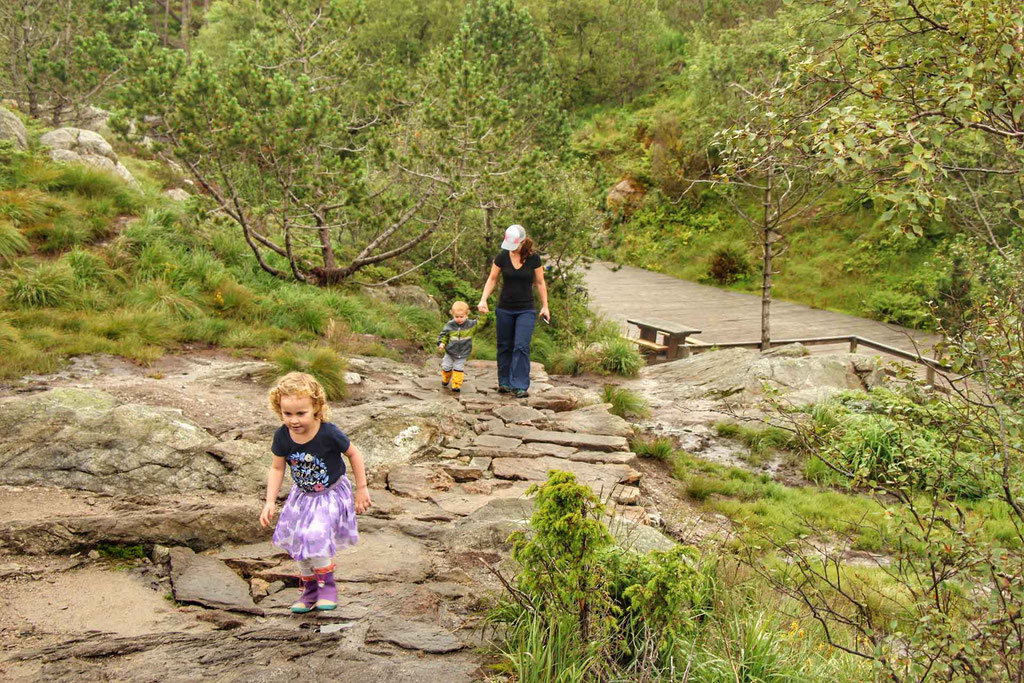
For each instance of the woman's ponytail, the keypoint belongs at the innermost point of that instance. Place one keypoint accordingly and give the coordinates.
(526, 249)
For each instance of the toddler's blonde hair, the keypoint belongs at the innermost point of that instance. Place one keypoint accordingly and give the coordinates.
(460, 306)
(300, 384)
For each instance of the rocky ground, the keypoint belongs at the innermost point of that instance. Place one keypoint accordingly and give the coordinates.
(106, 458)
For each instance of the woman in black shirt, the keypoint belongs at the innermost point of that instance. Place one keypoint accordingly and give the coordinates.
(520, 269)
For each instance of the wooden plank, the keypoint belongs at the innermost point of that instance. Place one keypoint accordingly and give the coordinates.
(666, 326)
(644, 343)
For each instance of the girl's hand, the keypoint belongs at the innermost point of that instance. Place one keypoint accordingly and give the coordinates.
(268, 514)
(545, 313)
(440, 347)
(363, 501)
(482, 307)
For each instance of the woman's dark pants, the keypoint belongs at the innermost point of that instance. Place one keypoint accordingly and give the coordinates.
(514, 329)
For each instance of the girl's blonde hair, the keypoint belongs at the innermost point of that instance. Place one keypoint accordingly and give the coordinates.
(300, 384)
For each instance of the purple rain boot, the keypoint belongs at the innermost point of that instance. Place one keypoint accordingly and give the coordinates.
(327, 591)
(307, 601)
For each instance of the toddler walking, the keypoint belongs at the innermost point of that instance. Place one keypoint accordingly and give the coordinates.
(319, 516)
(456, 340)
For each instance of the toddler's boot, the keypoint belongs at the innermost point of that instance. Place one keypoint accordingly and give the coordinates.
(457, 381)
(446, 376)
(327, 591)
(307, 601)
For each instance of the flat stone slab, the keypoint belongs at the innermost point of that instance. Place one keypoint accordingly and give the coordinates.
(464, 472)
(206, 581)
(467, 503)
(417, 482)
(518, 413)
(498, 442)
(541, 448)
(347, 609)
(603, 457)
(596, 419)
(413, 635)
(251, 551)
(536, 469)
(384, 556)
(592, 442)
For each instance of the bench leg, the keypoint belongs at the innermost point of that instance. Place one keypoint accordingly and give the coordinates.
(672, 342)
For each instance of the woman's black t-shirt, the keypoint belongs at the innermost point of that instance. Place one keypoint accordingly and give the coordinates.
(517, 283)
(316, 464)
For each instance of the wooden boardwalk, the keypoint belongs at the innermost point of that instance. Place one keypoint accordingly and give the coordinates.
(726, 316)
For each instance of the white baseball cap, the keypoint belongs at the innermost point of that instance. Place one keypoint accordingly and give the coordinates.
(514, 236)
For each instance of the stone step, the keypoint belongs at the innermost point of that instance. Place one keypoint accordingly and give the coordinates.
(593, 442)
(536, 469)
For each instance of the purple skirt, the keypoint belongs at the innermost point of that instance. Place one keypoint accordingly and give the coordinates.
(317, 524)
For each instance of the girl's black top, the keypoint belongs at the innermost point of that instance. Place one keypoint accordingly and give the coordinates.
(517, 283)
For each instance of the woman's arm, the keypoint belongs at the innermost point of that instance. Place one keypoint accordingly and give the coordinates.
(363, 501)
(492, 281)
(275, 475)
(542, 288)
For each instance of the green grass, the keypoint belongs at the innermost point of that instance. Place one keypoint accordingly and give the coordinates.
(322, 363)
(625, 403)
(113, 551)
(762, 443)
(656, 448)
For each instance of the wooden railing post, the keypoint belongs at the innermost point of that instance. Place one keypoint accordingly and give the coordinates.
(853, 344)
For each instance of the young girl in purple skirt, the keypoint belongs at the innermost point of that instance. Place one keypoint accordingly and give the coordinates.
(319, 516)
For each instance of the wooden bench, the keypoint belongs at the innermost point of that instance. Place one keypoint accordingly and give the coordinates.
(673, 337)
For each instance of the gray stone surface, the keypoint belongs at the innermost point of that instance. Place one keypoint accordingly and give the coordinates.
(595, 419)
(11, 128)
(603, 457)
(84, 439)
(418, 481)
(207, 581)
(518, 413)
(594, 442)
(413, 635)
(384, 556)
(536, 469)
(464, 472)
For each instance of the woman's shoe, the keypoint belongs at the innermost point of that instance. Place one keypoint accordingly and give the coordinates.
(521, 393)
(306, 601)
(504, 389)
(327, 591)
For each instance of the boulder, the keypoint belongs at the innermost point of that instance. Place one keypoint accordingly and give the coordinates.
(11, 128)
(385, 556)
(625, 197)
(419, 482)
(177, 194)
(561, 399)
(595, 419)
(409, 295)
(84, 439)
(741, 376)
(413, 635)
(199, 524)
(397, 435)
(77, 145)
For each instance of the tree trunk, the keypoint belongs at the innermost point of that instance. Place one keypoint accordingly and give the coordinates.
(488, 234)
(186, 26)
(766, 267)
(325, 246)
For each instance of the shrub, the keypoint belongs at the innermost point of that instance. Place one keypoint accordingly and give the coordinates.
(625, 403)
(728, 263)
(897, 308)
(322, 363)
(45, 285)
(90, 270)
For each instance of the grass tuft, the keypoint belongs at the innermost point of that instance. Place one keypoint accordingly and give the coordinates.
(46, 285)
(12, 242)
(322, 363)
(625, 403)
(661, 448)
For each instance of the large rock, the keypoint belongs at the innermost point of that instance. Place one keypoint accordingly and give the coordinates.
(77, 145)
(741, 376)
(595, 419)
(11, 128)
(207, 581)
(84, 439)
(418, 481)
(625, 197)
(410, 295)
(200, 525)
(397, 435)
(561, 399)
